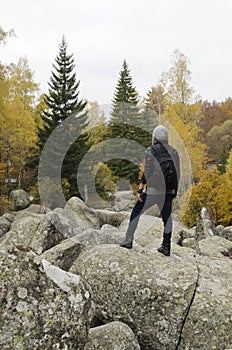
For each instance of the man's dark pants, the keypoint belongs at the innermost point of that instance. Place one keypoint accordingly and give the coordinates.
(164, 203)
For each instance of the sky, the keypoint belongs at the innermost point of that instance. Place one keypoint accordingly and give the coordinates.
(102, 33)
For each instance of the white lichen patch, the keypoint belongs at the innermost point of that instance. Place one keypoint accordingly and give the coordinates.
(60, 277)
(22, 293)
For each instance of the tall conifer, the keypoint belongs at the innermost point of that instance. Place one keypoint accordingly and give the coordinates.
(125, 122)
(62, 101)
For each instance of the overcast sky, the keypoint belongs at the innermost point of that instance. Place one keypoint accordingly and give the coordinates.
(101, 33)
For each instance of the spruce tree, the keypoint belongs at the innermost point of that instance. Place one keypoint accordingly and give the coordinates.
(62, 102)
(124, 123)
(62, 99)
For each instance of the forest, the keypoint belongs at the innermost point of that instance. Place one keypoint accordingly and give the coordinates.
(28, 117)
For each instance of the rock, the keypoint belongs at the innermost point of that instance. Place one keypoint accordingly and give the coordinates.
(5, 223)
(204, 227)
(42, 306)
(214, 246)
(219, 229)
(149, 228)
(209, 321)
(123, 200)
(66, 222)
(107, 235)
(37, 209)
(189, 243)
(111, 217)
(114, 335)
(83, 212)
(182, 233)
(77, 217)
(227, 233)
(20, 200)
(32, 231)
(147, 291)
(64, 254)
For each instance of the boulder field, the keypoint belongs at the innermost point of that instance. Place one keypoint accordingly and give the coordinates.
(67, 284)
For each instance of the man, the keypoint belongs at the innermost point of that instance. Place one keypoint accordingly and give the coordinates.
(158, 190)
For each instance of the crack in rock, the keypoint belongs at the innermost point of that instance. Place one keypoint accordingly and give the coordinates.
(189, 307)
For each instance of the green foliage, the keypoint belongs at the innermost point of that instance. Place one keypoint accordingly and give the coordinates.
(124, 123)
(61, 103)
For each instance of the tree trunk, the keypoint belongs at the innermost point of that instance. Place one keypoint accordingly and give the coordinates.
(8, 166)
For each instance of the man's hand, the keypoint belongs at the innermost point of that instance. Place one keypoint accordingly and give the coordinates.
(139, 195)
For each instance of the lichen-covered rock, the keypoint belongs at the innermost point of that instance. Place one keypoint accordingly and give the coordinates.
(189, 243)
(84, 213)
(209, 322)
(5, 223)
(106, 235)
(32, 231)
(19, 200)
(37, 209)
(111, 217)
(42, 306)
(214, 246)
(147, 291)
(77, 217)
(112, 336)
(205, 226)
(64, 254)
(227, 233)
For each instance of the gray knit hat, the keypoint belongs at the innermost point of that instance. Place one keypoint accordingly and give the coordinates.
(160, 133)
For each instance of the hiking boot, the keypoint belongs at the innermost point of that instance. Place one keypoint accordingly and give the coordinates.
(165, 249)
(126, 244)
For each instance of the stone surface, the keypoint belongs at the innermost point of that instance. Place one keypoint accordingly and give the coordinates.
(5, 223)
(112, 336)
(111, 217)
(19, 200)
(42, 306)
(205, 227)
(83, 212)
(227, 233)
(147, 291)
(214, 246)
(64, 254)
(32, 231)
(209, 321)
(38, 209)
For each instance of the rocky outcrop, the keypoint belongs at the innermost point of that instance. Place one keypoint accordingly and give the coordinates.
(114, 335)
(67, 284)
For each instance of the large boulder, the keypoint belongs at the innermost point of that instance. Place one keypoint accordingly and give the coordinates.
(141, 288)
(112, 336)
(32, 231)
(42, 306)
(208, 324)
(19, 200)
(84, 213)
(64, 254)
(75, 218)
(214, 246)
